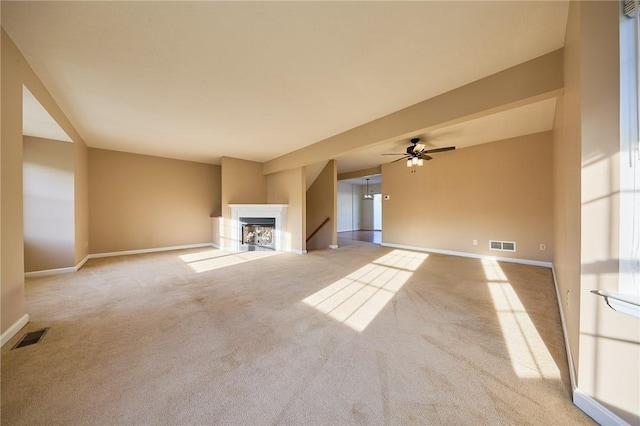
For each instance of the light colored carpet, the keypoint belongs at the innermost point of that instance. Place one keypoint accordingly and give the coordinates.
(356, 335)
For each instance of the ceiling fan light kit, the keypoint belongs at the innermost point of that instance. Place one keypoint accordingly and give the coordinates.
(415, 161)
(416, 154)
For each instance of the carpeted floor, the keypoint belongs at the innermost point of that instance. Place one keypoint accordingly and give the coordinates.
(358, 335)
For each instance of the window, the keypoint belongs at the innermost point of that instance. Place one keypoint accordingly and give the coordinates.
(629, 263)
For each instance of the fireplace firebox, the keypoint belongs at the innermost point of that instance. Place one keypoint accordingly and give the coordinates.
(258, 233)
(271, 216)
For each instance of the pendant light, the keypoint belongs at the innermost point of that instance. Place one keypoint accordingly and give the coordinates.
(367, 196)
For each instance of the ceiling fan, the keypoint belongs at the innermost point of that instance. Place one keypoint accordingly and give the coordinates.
(416, 153)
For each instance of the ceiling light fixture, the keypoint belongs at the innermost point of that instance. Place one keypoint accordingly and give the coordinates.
(367, 196)
(413, 162)
(416, 153)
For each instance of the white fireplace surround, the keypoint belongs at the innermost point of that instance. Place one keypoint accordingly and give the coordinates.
(276, 211)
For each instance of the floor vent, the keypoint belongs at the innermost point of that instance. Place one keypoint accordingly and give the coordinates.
(31, 338)
(502, 245)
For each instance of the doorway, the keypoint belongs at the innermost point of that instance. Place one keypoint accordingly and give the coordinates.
(360, 218)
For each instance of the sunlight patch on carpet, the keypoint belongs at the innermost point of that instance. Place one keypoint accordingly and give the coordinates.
(529, 355)
(215, 259)
(356, 299)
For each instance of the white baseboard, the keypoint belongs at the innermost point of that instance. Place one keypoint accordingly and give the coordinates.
(82, 262)
(572, 373)
(333, 246)
(14, 329)
(48, 272)
(595, 410)
(151, 250)
(296, 251)
(586, 403)
(471, 255)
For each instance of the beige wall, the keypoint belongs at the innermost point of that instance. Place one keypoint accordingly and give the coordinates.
(609, 363)
(242, 182)
(12, 262)
(16, 72)
(321, 203)
(288, 187)
(361, 173)
(81, 196)
(567, 217)
(496, 191)
(49, 210)
(141, 202)
(605, 344)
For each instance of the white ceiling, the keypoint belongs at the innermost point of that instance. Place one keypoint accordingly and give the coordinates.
(255, 80)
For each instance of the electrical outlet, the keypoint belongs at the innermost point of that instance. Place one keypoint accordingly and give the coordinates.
(475, 242)
(543, 247)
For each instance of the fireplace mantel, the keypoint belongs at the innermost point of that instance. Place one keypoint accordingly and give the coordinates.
(276, 211)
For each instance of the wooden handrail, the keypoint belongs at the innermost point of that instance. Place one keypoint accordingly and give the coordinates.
(318, 228)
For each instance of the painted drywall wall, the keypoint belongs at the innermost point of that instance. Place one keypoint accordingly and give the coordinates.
(496, 191)
(289, 187)
(312, 171)
(360, 173)
(49, 204)
(16, 72)
(608, 342)
(242, 182)
(81, 198)
(142, 202)
(567, 217)
(12, 262)
(321, 203)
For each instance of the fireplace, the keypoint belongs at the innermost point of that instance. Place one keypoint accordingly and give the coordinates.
(256, 227)
(258, 233)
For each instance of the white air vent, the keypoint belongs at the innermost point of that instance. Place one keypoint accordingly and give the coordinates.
(502, 245)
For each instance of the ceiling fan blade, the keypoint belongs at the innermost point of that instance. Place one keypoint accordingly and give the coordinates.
(403, 158)
(448, 148)
(426, 157)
